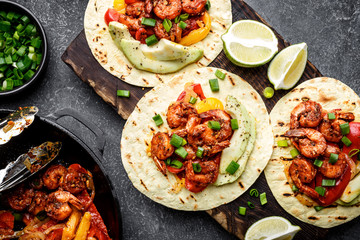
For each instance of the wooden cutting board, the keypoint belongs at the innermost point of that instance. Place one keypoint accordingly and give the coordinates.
(78, 56)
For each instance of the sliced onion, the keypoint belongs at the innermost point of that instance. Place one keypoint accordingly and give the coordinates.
(33, 235)
(57, 226)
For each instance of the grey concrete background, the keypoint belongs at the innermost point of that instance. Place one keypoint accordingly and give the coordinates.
(330, 28)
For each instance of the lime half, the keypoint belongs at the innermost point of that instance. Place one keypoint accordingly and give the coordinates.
(272, 228)
(287, 67)
(248, 43)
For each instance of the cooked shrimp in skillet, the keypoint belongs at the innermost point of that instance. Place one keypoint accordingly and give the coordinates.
(53, 176)
(302, 171)
(331, 128)
(21, 198)
(178, 113)
(38, 203)
(193, 7)
(57, 204)
(306, 114)
(334, 170)
(308, 141)
(169, 9)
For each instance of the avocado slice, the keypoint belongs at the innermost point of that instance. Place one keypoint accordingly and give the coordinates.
(132, 51)
(118, 31)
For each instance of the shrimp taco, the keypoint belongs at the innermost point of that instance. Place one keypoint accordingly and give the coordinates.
(148, 42)
(194, 143)
(313, 172)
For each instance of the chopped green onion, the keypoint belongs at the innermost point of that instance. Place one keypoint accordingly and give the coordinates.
(199, 152)
(17, 216)
(220, 74)
(123, 93)
(32, 56)
(345, 128)
(268, 92)
(28, 75)
(181, 152)
(168, 162)
(254, 192)
(148, 22)
(25, 19)
(320, 190)
(318, 208)
(346, 141)
(251, 205)
(158, 121)
(234, 124)
(318, 163)
(31, 49)
(282, 143)
(176, 164)
(184, 142)
(207, 5)
(353, 152)
(331, 116)
(214, 85)
(263, 199)
(5, 26)
(16, 36)
(242, 211)
(8, 84)
(177, 19)
(232, 167)
(176, 140)
(328, 182)
(29, 28)
(333, 158)
(196, 167)
(192, 100)
(182, 25)
(10, 15)
(8, 60)
(167, 24)
(151, 40)
(214, 125)
(36, 42)
(294, 188)
(184, 17)
(294, 153)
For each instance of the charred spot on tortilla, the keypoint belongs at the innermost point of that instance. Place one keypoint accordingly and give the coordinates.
(341, 218)
(254, 95)
(160, 79)
(153, 130)
(241, 185)
(313, 218)
(142, 183)
(301, 89)
(206, 57)
(146, 143)
(145, 81)
(287, 194)
(111, 69)
(193, 197)
(231, 80)
(128, 156)
(281, 124)
(259, 170)
(182, 201)
(353, 103)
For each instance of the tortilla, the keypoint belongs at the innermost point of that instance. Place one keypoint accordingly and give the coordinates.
(331, 94)
(112, 59)
(140, 127)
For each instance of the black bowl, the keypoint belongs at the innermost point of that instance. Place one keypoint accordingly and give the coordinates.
(12, 6)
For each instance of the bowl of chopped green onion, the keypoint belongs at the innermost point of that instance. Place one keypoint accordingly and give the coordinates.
(23, 48)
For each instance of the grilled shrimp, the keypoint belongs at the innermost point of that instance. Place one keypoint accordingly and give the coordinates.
(20, 198)
(169, 9)
(336, 169)
(331, 148)
(302, 171)
(136, 9)
(223, 118)
(57, 204)
(161, 149)
(208, 174)
(308, 141)
(38, 203)
(306, 114)
(53, 176)
(193, 7)
(178, 113)
(331, 128)
(133, 24)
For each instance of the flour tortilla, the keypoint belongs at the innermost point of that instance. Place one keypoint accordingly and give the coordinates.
(331, 94)
(140, 127)
(114, 61)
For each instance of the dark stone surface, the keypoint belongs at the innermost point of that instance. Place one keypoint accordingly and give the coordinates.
(330, 28)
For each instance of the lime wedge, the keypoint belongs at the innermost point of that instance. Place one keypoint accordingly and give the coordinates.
(287, 67)
(248, 43)
(272, 228)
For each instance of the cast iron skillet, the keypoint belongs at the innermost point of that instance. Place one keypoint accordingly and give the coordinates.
(74, 150)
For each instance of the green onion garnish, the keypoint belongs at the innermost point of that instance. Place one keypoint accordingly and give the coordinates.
(17, 216)
(214, 125)
(214, 85)
(192, 100)
(148, 22)
(184, 16)
(234, 124)
(220, 74)
(294, 188)
(176, 164)
(242, 211)
(320, 190)
(251, 205)
(232, 167)
(282, 143)
(263, 199)
(331, 116)
(199, 152)
(184, 142)
(168, 161)
(177, 19)
(333, 158)
(318, 163)
(28, 75)
(158, 121)
(318, 208)
(196, 167)
(181, 152)
(123, 93)
(151, 40)
(207, 5)
(345, 128)
(328, 182)
(346, 141)
(353, 152)
(294, 153)
(254, 192)
(167, 24)
(268, 92)
(182, 25)
(176, 140)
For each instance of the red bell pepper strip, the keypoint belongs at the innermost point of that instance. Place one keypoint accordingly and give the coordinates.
(354, 137)
(7, 219)
(181, 96)
(198, 90)
(131, 1)
(175, 170)
(111, 15)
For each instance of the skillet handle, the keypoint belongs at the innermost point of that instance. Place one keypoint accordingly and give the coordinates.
(68, 112)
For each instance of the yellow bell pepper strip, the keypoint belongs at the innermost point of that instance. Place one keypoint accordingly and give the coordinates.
(120, 5)
(198, 34)
(209, 104)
